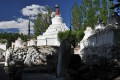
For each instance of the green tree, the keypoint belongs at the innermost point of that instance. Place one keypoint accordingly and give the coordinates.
(110, 5)
(89, 11)
(42, 22)
(11, 37)
(76, 16)
(92, 9)
(78, 35)
(104, 11)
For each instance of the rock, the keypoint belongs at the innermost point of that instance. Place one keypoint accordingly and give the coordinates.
(88, 32)
(29, 55)
(117, 78)
(7, 58)
(2, 55)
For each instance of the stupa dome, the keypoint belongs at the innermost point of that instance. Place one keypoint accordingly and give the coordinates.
(57, 20)
(19, 43)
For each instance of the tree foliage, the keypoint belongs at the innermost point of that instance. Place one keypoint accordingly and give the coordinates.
(42, 22)
(77, 15)
(11, 37)
(78, 35)
(103, 11)
(110, 5)
(88, 12)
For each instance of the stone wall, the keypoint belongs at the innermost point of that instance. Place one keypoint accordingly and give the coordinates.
(29, 55)
(101, 38)
(102, 45)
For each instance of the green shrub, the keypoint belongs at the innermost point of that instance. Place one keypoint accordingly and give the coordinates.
(63, 35)
(77, 34)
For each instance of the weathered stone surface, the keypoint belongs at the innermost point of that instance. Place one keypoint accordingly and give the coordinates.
(2, 54)
(102, 44)
(28, 56)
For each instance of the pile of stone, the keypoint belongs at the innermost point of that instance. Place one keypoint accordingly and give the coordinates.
(28, 56)
(2, 54)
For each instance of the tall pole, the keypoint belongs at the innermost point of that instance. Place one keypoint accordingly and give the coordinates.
(29, 31)
(70, 22)
(29, 28)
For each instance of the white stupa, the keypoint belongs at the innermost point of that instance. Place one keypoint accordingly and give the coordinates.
(50, 36)
(18, 43)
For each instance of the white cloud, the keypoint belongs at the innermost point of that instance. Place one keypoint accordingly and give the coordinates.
(33, 10)
(21, 24)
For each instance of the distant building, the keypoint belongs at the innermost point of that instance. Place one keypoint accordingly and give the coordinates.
(3, 44)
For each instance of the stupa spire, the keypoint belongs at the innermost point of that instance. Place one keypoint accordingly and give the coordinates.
(57, 9)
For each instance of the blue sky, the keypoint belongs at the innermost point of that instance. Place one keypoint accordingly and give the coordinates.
(13, 16)
(11, 11)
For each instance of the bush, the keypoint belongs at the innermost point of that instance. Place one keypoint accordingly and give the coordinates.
(77, 34)
(63, 35)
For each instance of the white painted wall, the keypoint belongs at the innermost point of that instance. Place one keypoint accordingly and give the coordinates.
(57, 20)
(41, 42)
(53, 42)
(48, 41)
(99, 39)
(3, 46)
